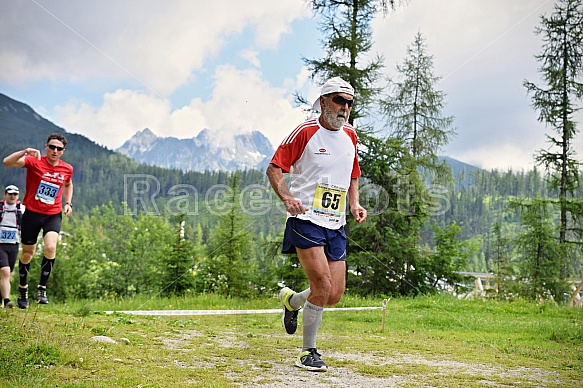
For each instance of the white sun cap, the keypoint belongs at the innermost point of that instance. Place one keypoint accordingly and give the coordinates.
(11, 189)
(333, 85)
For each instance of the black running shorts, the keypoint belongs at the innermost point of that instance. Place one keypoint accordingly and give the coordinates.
(32, 223)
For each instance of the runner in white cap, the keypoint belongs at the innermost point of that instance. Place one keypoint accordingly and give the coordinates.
(321, 154)
(10, 220)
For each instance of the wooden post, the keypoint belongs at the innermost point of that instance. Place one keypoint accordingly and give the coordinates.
(384, 314)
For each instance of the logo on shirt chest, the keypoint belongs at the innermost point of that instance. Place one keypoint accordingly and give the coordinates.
(322, 151)
(54, 177)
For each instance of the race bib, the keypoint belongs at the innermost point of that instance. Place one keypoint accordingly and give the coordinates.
(8, 236)
(47, 192)
(329, 202)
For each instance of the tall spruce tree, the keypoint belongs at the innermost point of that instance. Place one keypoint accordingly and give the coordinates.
(501, 265)
(414, 107)
(386, 254)
(561, 70)
(176, 277)
(419, 130)
(347, 31)
(537, 248)
(347, 40)
(230, 266)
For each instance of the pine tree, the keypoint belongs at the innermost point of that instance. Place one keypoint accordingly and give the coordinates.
(414, 108)
(230, 266)
(562, 71)
(538, 248)
(177, 278)
(347, 40)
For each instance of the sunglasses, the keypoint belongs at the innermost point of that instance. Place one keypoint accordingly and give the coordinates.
(343, 101)
(12, 193)
(54, 147)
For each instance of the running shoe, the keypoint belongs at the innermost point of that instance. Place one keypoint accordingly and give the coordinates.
(289, 318)
(8, 305)
(310, 360)
(41, 296)
(22, 300)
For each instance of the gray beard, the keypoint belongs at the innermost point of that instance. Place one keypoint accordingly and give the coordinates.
(333, 119)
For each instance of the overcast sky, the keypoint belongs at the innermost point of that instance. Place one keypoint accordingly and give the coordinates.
(107, 69)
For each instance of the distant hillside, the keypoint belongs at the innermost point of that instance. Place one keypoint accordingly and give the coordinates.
(462, 172)
(100, 174)
(20, 125)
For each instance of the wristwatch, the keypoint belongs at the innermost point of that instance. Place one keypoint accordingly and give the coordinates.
(69, 203)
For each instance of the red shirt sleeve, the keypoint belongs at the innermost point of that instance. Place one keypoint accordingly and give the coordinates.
(292, 147)
(355, 165)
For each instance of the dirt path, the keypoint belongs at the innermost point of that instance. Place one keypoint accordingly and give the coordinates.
(279, 375)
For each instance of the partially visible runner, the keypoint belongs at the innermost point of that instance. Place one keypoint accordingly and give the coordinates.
(321, 153)
(10, 220)
(48, 181)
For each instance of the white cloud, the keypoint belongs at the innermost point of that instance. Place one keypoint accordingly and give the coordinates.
(154, 45)
(122, 114)
(136, 55)
(483, 51)
(241, 102)
(251, 57)
(499, 156)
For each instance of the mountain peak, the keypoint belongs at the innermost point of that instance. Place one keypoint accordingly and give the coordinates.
(145, 132)
(205, 152)
(139, 143)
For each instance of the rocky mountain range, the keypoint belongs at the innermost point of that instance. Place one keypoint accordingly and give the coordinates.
(201, 153)
(22, 126)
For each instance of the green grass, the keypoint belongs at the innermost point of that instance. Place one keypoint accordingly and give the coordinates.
(428, 341)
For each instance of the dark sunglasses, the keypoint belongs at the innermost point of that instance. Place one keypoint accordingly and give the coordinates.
(12, 193)
(343, 101)
(54, 147)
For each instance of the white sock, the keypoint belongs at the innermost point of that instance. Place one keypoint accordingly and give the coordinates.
(311, 319)
(299, 299)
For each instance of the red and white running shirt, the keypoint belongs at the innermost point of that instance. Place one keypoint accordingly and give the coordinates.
(322, 163)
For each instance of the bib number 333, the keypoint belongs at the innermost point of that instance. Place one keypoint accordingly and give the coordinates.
(47, 192)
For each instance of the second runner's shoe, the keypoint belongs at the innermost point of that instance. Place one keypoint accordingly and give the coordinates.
(289, 318)
(22, 300)
(41, 296)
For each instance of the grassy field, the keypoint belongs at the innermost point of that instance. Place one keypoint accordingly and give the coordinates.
(427, 342)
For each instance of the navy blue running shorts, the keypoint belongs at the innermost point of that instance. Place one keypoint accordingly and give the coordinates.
(305, 234)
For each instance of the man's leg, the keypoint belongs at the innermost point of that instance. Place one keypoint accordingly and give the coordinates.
(5, 284)
(297, 300)
(338, 274)
(50, 252)
(315, 265)
(326, 280)
(23, 267)
(326, 277)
